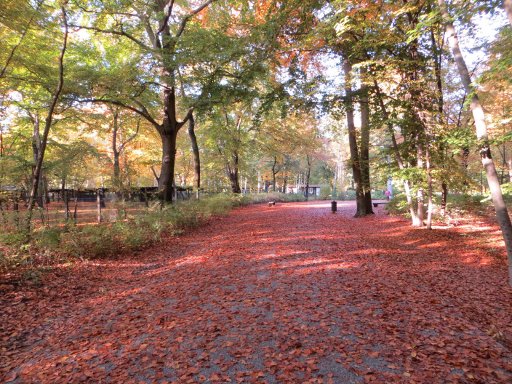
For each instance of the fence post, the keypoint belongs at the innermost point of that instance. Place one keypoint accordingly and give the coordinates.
(98, 204)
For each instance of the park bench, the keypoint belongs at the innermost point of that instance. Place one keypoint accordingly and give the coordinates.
(375, 205)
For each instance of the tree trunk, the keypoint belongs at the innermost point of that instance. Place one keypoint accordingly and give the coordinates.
(398, 156)
(365, 145)
(195, 151)
(444, 198)
(352, 139)
(232, 172)
(166, 179)
(117, 168)
(507, 4)
(48, 122)
(274, 173)
(36, 150)
(420, 193)
(308, 174)
(429, 185)
(481, 133)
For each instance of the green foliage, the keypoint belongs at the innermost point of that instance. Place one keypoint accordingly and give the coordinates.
(106, 240)
(398, 205)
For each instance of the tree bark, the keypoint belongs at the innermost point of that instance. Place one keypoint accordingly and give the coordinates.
(429, 185)
(352, 139)
(365, 144)
(444, 198)
(275, 171)
(507, 4)
(166, 179)
(502, 215)
(308, 175)
(117, 168)
(420, 193)
(232, 172)
(195, 151)
(36, 149)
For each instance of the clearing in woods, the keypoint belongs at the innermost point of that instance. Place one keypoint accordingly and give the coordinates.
(283, 294)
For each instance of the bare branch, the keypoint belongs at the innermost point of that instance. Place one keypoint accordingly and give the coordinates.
(22, 37)
(131, 138)
(142, 112)
(122, 32)
(190, 15)
(168, 14)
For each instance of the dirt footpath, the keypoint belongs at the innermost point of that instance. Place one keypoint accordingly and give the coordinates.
(283, 294)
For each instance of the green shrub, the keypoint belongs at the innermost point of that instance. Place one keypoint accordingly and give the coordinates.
(398, 205)
(47, 237)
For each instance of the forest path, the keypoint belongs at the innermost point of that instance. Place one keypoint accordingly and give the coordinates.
(284, 294)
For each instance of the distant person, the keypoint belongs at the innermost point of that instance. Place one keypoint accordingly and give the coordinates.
(388, 194)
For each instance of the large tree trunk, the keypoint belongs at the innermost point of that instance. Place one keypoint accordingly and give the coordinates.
(166, 179)
(352, 139)
(365, 145)
(48, 122)
(481, 133)
(195, 151)
(233, 174)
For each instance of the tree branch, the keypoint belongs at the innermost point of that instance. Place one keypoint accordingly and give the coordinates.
(122, 32)
(131, 138)
(190, 15)
(142, 112)
(168, 14)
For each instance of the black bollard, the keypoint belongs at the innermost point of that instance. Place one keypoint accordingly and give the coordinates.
(334, 206)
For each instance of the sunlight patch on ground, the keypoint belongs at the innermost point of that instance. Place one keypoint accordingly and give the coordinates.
(326, 267)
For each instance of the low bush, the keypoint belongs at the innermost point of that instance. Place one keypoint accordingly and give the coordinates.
(49, 245)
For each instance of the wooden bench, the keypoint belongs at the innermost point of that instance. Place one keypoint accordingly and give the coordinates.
(375, 205)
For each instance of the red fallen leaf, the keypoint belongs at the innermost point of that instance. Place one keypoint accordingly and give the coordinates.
(11, 376)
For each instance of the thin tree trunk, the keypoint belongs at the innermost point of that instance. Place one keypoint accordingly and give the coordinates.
(36, 149)
(481, 133)
(430, 206)
(398, 156)
(444, 198)
(48, 122)
(274, 173)
(352, 139)
(117, 168)
(195, 151)
(365, 144)
(308, 174)
(420, 193)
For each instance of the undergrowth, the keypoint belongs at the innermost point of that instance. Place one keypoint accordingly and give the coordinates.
(66, 242)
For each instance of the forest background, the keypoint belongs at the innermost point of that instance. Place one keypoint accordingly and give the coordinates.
(198, 99)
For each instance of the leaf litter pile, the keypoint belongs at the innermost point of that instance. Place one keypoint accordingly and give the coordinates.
(284, 294)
